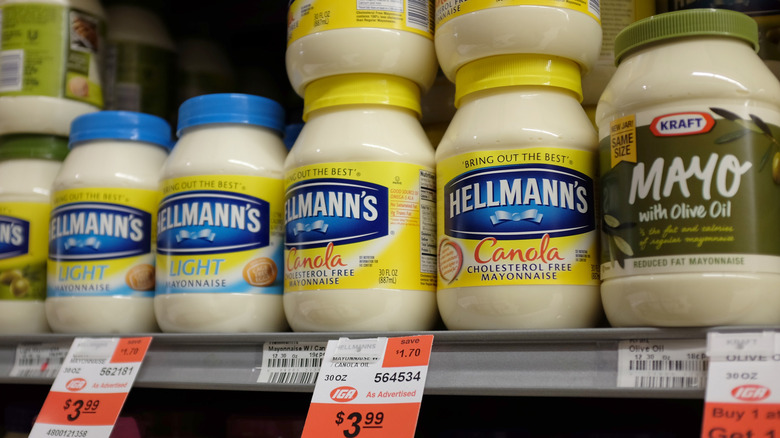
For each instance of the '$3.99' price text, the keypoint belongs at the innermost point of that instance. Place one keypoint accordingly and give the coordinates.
(356, 422)
(78, 407)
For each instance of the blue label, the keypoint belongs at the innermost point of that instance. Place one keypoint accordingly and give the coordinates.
(97, 231)
(518, 202)
(209, 222)
(14, 237)
(318, 212)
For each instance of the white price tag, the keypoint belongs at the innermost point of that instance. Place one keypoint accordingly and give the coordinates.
(38, 360)
(369, 388)
(662, 364)
(291, 362)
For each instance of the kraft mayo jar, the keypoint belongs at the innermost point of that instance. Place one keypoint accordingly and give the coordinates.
(690, 172)
(28, 165)
(474, 29)
(219, 225)
(101, 233)
(334, 37)
(360, 250)
(516, 170)
(54, 77)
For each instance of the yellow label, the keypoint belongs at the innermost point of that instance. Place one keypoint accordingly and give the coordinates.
(360, 225)
(101, 242)
(448, 9)
(306, 17)
(24, 230)
(220, 234)
(622, 140)
(514, 217)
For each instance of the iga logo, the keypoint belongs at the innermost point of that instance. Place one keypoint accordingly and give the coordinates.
(673, 125)
(76, 384)
(750, 392)
(343, 394)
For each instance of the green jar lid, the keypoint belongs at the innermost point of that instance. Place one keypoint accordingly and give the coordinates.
(44, 147)
(686, 23)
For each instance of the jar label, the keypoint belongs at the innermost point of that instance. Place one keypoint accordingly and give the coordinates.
(691, 189)
(360, 225)
(23, 248)
(517, 217)
(446, 10)
(305, 17)
(51, 50)
(220, 234)
(139, 77)
(100, 242)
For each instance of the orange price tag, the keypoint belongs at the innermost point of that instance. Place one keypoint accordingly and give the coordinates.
(131, 350)
(409, 351)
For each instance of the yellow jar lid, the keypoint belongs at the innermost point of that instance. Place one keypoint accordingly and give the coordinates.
(517, 70)
(361, 89)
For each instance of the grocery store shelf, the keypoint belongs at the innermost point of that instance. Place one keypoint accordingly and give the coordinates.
(512, 363)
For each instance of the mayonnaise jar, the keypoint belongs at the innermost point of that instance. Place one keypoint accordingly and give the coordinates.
(219, 225)
(101, 232)
(53, 78)
(690, 172)
(360, 210)
(334, 37)
(516, 179)
(467, 31)
(28, 165)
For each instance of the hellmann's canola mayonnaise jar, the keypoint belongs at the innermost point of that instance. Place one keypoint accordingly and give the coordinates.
(690, 174)
(51, 58)
(219, 224)
(516, 201)
(474, 29)
(102, 228)
(333, 37)
(28, 165)
(360, 248)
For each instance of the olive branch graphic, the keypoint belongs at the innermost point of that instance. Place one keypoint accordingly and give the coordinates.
(756, 125)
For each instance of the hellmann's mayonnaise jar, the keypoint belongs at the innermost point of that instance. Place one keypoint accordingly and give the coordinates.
(360, 249)
(334, 37)
(219, 224)
(690, 174)
(28, 165)
(516, 201)
(474, 29)
(51, 59)
(102, 227)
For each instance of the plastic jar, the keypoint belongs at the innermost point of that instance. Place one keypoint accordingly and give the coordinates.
(55, 77)
(467, 31)
(690, 172)
(219, 228)
(101, 234)
(140, 64)
(334, 37)
(28, 165)
(516, 171)
(360, 209)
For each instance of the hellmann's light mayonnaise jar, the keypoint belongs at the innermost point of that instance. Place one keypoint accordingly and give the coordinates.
(690, 174)
(102, 227)
(360, 248)
(516, 180)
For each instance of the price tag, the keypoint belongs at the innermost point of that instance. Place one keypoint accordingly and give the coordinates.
(38, 360)
(90, 388)
(293, 362)
(662, 364)
(743, 386)
(369, 388)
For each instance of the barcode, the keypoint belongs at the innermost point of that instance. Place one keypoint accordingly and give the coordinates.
(293, 378)
(594, 7)
(418, 14)
(667, 365)
(668, 382)
(300, 362)
(11, 65)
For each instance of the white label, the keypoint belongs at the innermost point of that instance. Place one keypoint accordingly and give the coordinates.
(666, 364)
(41, 360)
(292, 363)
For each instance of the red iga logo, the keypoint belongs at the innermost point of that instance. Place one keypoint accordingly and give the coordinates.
(750, 392)
(343, 394)
(672, 125)
(76, 384)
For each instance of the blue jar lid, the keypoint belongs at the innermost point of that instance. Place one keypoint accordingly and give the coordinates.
(231, 108)
(120, 125)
